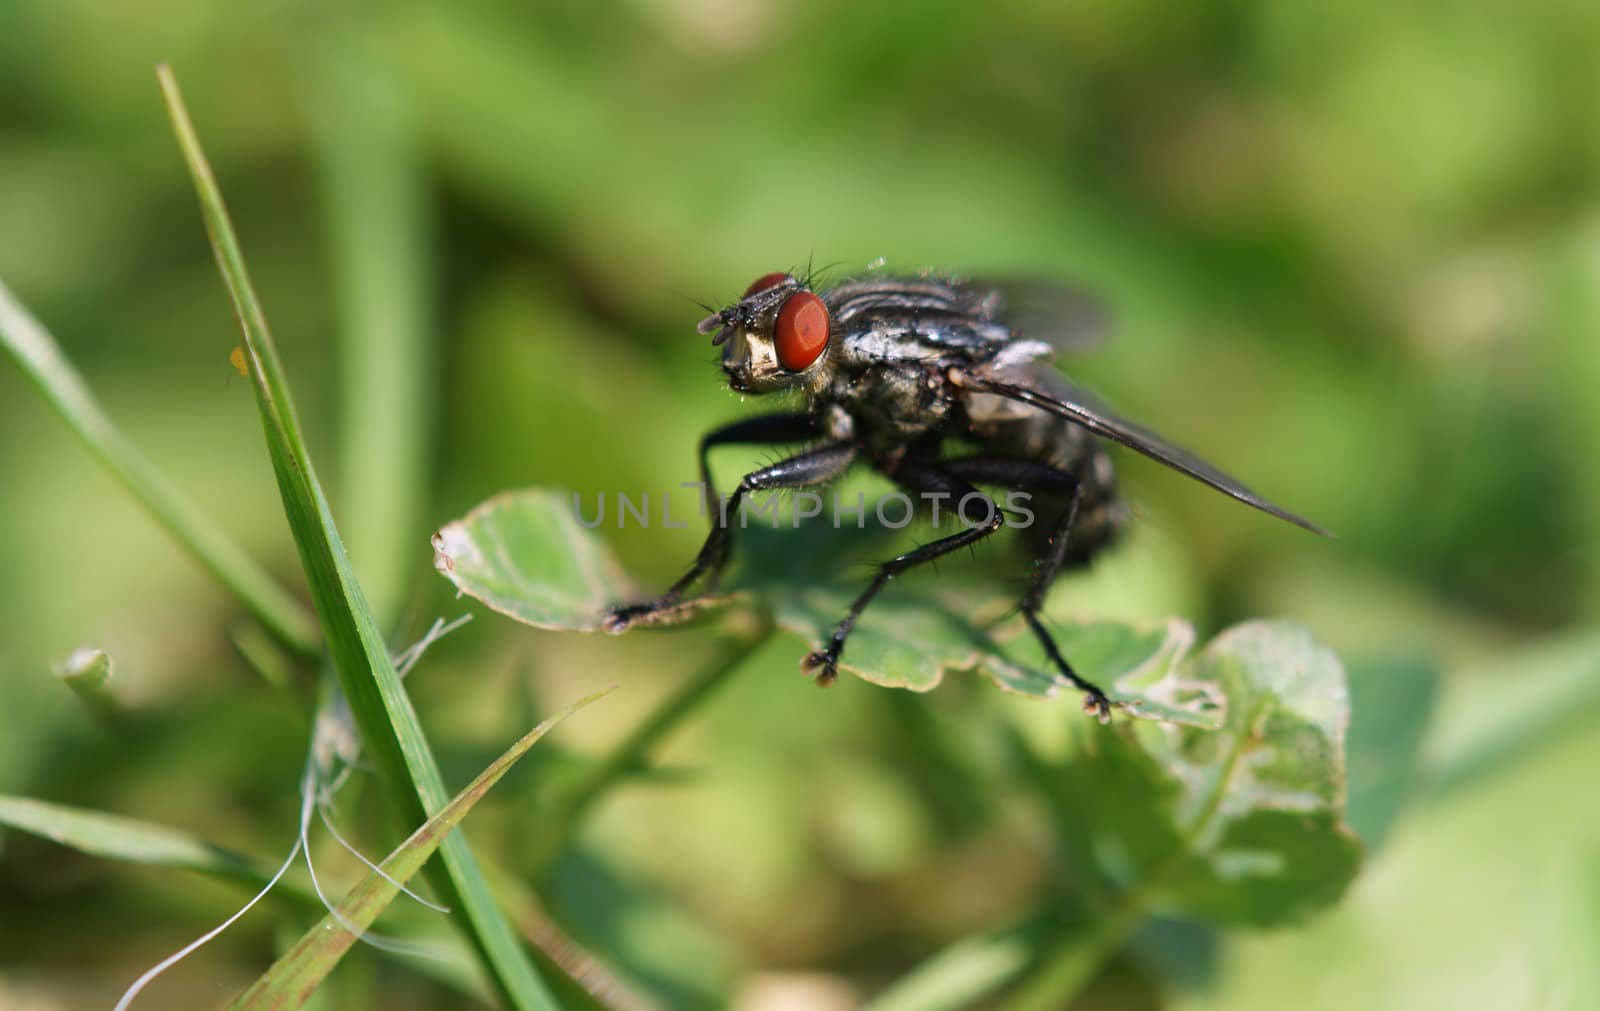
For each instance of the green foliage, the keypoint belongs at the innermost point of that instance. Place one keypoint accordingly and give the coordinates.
(1227, 806)
(390, 731)
(1349, 255)
(526, 555)
(1396, 696)
(487, 554)
(113, 837)
(1244, 825)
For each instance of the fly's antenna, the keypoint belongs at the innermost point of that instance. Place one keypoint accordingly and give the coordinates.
(694, 301)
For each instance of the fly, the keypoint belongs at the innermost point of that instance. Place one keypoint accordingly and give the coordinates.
(941, 385)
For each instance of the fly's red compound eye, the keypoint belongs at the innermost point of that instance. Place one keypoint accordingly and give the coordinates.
(766, 281)
(802, 330)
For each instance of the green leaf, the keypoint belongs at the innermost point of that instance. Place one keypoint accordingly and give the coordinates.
(1392, 698)
(114, 837)
(1243, 825)
(390, 731)
(525, 555)
(292, 979)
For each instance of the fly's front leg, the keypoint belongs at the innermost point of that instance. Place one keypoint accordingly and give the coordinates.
(768, 428)
(803, 470)
(916, 477)
(1027, 475)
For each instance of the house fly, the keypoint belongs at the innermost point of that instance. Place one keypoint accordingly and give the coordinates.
(940, 384)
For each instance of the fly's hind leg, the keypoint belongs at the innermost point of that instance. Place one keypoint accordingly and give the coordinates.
(1028, 475)
(916, 477)
(803, 470)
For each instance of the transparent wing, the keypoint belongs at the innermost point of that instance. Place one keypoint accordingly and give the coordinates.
(1066, 318)
(1082, 408)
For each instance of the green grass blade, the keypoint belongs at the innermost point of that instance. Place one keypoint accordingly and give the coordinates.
(292, 979)
(40, 357)
(389, 727)
(375, 201)
(113, 837)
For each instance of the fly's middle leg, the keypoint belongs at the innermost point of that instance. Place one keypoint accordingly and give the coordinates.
(916, 477)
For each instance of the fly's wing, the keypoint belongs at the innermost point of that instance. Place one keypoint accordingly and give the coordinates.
(1082, 408)
(1064, 317)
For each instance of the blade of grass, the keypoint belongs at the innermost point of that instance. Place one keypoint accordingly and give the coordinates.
(291, 980)
(263, 656)
(40, 357)
(389, 728)
(114, 837)
(375, 205)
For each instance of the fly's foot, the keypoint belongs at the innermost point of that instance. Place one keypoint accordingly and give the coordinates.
(821, 667)
(1097, 705)
(623, 617)
(671, 609)
(1095, 702)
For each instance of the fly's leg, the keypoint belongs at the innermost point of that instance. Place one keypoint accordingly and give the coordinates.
(1026, 475)
(916, 477)
(768, 428)
(803, 470)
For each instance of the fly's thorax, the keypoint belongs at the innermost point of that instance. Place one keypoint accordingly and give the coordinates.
(889, 402)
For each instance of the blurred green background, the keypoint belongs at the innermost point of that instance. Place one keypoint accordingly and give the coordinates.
(1352, 252)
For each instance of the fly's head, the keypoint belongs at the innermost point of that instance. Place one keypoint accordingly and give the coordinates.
(774, 338)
